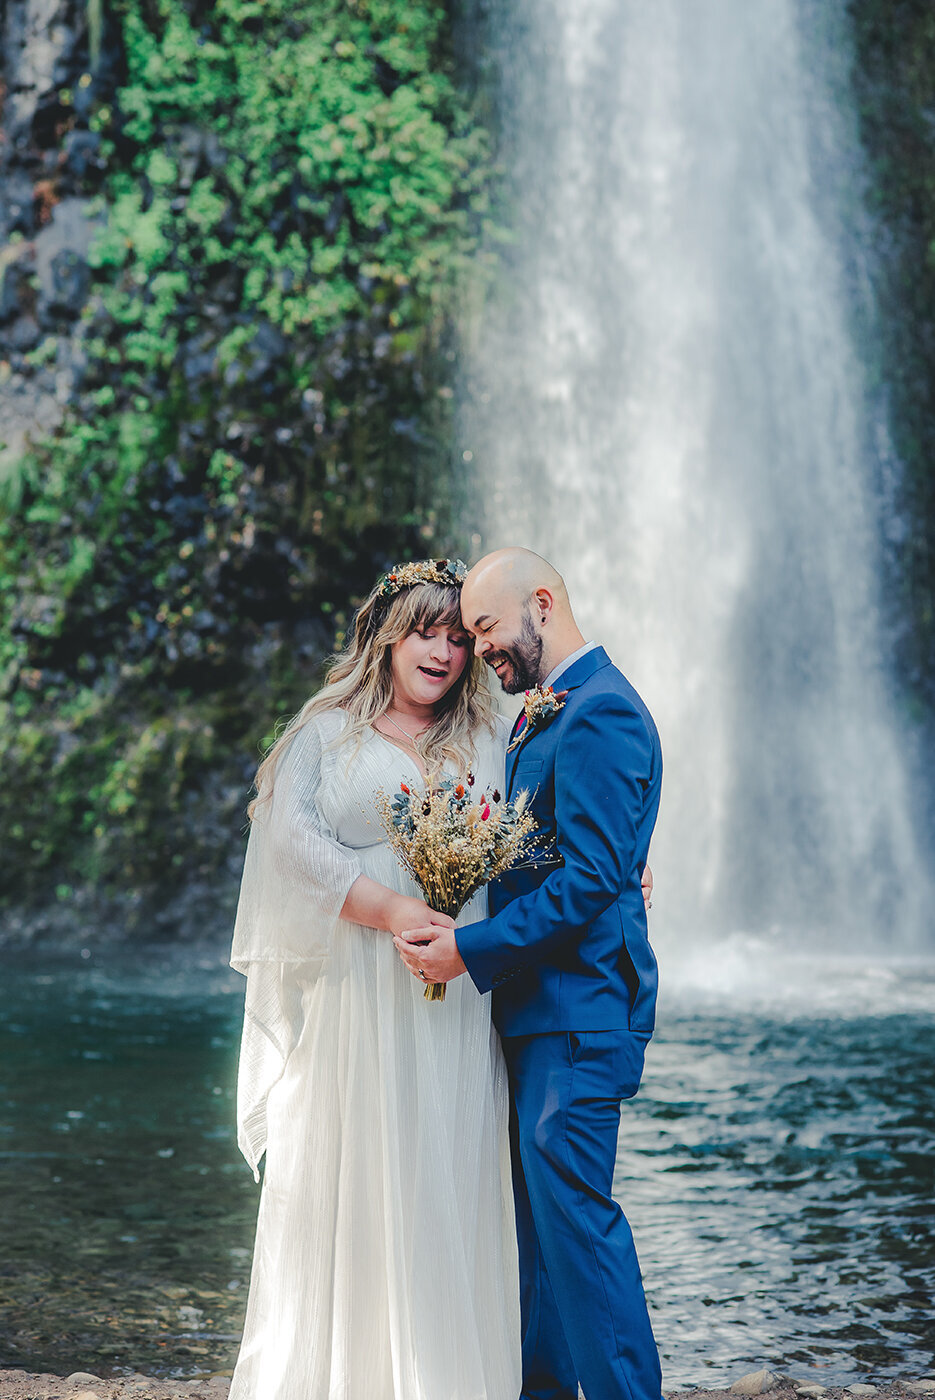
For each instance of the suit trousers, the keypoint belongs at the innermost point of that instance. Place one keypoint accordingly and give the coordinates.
(585, 1319)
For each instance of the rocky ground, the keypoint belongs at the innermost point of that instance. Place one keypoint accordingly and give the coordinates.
(81, 1385)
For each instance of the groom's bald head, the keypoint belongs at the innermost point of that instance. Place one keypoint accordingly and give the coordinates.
(512, 574)
(516, 606)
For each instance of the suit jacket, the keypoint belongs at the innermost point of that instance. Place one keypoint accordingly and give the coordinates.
(565, 946)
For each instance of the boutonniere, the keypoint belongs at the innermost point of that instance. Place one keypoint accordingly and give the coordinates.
(539, 705)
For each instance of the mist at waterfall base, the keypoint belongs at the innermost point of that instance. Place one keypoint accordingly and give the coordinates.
(671, 393)
(776, 1169)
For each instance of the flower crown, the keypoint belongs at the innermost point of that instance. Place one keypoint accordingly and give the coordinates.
(450, 572)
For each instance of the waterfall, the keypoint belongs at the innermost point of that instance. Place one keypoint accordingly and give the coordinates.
(669, 393)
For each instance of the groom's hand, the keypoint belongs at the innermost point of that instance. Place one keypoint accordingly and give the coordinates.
(431, 950)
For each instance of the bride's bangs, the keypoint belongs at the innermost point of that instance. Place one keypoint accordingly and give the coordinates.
(429, 605)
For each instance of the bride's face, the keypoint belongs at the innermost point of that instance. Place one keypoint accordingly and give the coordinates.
(427, 664)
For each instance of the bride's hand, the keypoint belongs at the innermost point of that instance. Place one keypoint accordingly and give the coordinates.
(408, 913)
(647, 883)
(377, 906)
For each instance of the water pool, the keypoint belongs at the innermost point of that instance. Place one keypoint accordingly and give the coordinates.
(777, 1169)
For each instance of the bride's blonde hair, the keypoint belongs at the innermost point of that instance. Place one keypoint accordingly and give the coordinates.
(359, 680)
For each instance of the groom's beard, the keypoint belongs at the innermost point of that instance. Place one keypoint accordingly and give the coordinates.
(523, 658)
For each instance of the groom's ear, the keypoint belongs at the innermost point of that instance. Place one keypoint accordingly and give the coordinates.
(543, 602)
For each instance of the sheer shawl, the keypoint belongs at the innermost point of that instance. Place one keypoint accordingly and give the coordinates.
(296, 878)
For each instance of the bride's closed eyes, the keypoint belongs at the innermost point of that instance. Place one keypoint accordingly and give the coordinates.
(457, 639)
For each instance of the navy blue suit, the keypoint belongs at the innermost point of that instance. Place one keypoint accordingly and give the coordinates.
(566, 952)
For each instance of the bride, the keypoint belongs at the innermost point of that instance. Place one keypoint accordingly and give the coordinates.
(385, 1265)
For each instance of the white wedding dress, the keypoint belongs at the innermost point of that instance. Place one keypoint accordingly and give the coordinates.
(385, 1264)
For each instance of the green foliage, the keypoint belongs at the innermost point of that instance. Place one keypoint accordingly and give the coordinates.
(316, 153)
(293, 193)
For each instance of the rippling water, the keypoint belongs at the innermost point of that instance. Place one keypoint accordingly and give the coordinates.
(777, 1168)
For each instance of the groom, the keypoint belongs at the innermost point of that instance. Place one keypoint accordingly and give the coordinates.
(566, 952)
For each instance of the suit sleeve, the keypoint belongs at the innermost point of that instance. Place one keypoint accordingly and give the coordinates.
(603, 765)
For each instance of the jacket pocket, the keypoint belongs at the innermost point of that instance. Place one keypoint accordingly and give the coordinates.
(526, 776)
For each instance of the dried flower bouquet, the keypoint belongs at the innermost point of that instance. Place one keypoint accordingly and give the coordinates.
(452, 842)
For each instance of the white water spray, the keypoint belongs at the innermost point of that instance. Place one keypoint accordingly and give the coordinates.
(666, 396)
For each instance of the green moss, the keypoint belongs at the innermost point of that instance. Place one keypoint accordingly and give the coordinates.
(293, 195)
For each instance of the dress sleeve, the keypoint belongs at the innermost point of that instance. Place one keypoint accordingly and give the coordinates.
(296, 878)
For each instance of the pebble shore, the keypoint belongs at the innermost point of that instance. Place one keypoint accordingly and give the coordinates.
(82, 1385)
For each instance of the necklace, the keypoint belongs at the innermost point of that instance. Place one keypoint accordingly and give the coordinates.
(404, 732)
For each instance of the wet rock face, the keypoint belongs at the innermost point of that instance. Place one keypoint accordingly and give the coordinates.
(39, 40)
(48, 164)
(44, 48)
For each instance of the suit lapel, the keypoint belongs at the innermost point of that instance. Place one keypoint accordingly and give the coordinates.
(512, 757)
(575, 676)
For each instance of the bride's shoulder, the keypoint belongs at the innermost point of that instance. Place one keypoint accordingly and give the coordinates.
(331, 724)
(491, 745)
(503, 724)
(315, 741)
